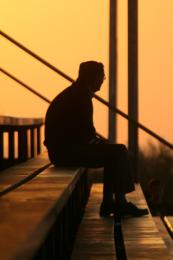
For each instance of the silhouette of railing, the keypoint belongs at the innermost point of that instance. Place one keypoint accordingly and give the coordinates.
(104, 102)
(20, 138)
(23, 127)
(25, 85)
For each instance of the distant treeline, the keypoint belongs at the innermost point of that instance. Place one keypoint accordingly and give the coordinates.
(156, 177)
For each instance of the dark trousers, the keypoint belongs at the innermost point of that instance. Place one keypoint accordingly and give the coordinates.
(113, 157)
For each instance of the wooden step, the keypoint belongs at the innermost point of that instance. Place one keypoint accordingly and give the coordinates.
(30, 211)
(141, 236)
(95, 237)
(22, 172)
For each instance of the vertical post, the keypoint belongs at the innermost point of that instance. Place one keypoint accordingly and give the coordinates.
(32, 141)
(11, 146)
(133, 79)
(112, 69)
(38, 140)
(1, 149)
(22, 144)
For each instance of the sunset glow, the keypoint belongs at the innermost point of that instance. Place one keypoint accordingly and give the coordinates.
(66, 33)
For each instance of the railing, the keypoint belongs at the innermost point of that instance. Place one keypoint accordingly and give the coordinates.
(19, 139)
(106, 103)
(13, 127)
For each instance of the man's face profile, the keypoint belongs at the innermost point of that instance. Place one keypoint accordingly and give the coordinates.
(98, 82)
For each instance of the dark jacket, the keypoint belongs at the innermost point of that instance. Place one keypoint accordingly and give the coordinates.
(69, 119)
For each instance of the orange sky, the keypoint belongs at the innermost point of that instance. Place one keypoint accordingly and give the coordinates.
(68, 32)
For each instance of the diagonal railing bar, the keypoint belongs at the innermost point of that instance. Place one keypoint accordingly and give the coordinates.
(141, 126)
(116, 110)
(35, 92)
(21, 46)
(106, 103)
(25, 86)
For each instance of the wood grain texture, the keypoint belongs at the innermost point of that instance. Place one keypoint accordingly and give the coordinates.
(18, 121)
(95, 238)
(28, 212)
(21, 172)
(141, 236)
(164, 234)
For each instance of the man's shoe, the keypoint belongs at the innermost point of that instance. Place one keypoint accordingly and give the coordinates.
(106, 209)
(128, 209)
(132, 210)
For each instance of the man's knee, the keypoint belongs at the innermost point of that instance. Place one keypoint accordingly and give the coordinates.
(123, 151)
(123, 148)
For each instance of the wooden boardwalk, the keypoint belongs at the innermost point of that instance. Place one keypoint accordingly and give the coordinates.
(13, 177)
(164, 233)
(141, 236)
(40, 212)
(95, 238)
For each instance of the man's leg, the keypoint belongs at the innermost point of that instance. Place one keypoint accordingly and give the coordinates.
(118, 180)
(119, 170)
(117, 173)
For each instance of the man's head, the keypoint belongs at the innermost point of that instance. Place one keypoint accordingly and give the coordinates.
(91, 74)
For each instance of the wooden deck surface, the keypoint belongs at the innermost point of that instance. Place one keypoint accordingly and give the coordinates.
(141, 236)
(164, 233)
(169, 222)
(95, 238)
(28, 212)
(22, 172)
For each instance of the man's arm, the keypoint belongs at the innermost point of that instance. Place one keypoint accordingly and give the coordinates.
(98, 140)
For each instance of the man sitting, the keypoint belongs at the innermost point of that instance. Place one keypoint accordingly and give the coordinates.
(71, 140)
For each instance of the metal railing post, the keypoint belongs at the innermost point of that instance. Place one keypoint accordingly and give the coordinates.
(112, 70)
(133, 80)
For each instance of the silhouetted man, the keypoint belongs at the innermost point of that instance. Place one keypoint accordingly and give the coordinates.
(71, 140)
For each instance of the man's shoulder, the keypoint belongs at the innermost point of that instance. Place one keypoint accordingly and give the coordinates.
(64, 93)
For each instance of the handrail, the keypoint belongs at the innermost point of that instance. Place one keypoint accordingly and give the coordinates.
(36, 56)
(25, 86)
(106, 103)
(116, 110)
(20, 121)
(141, 126)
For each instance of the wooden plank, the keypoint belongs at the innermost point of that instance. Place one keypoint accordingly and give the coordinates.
(18, 121)
(164, 233)
(28, 212)
(141, 237)
(21, 172)
(169, 222)
(95, 238)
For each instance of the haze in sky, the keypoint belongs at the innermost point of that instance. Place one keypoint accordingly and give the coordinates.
(66, 33)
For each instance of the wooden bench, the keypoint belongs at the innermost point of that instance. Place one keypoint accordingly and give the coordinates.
(39, 216)
(19, 174)
(130, 238)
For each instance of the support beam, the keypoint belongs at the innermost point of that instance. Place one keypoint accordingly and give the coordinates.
(133, 79)
(112, 69)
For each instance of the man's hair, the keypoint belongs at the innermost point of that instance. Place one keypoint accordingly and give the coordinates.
(89, 70)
